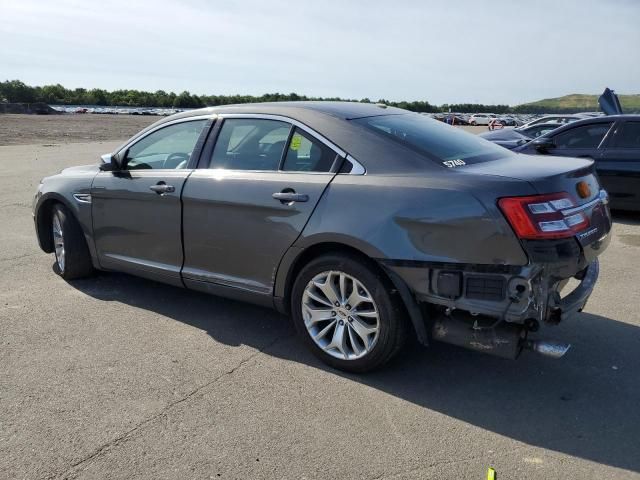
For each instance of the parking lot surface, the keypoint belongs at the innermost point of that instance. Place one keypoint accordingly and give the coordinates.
(121, 377)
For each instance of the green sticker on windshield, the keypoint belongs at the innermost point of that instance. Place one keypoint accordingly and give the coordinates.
(295, 142)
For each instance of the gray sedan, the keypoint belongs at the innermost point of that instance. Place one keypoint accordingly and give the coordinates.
(366, 224)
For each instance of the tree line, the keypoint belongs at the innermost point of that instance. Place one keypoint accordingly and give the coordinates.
(15, 91)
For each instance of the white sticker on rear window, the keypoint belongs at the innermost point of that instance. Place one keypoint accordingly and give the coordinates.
(453, 163)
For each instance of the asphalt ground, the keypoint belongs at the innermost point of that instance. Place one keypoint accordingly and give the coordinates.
(120, 377)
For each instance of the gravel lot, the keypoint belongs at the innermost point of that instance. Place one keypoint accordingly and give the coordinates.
(120, 377)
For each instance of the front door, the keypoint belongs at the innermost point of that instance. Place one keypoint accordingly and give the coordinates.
(251, 202)
(137, 209)
(581, 141)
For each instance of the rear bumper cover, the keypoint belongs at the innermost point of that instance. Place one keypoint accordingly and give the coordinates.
(576, 300)
(515, 294)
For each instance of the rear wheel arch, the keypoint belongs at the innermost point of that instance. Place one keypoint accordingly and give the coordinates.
(413, 312)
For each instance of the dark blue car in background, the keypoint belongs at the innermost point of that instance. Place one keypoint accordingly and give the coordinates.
(612, 141)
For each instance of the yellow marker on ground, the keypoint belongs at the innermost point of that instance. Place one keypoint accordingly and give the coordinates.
(491, 474)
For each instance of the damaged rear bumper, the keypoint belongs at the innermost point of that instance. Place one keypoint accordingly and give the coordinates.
(493, 308)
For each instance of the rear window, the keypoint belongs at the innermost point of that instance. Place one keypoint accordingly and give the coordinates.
(449, 146)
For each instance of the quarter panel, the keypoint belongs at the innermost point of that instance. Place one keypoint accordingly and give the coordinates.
(436, 219)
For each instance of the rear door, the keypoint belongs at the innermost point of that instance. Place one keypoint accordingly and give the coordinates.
(619, 165)
(137, 211)
(255, 191)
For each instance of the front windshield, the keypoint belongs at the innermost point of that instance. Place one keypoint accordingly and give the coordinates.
(447, 145)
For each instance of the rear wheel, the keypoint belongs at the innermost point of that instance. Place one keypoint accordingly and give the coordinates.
(72, 254)
(346, 313)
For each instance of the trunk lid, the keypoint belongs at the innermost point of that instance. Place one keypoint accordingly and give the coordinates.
(550, 175)
(609, 102)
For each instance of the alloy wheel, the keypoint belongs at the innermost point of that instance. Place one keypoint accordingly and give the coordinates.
(340, 315)
(58, 242)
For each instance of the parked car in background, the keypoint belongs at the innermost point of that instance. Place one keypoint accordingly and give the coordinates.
(367, 224)
(558, 119)
(514, 137)
(611, 141)
(481, 118)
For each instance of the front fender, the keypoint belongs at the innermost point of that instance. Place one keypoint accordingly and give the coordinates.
(61, 189)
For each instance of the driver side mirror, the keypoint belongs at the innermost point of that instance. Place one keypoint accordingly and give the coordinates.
(110, 162)
(543, 144)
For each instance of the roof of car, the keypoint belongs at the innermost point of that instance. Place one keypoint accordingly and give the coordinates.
(343, 110)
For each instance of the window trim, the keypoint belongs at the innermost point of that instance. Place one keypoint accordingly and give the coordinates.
(197, 149)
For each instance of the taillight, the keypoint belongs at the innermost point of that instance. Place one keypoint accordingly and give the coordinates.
(540, 216)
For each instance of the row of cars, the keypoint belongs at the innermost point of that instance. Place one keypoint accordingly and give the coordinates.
(511, 120)
(611, 140)
(164, 112)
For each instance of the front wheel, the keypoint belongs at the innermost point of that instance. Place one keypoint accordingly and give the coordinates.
(72, 254)
(347, 313)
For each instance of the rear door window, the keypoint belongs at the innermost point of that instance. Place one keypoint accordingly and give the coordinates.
(307, 154)
(250, 144)
(627, 136)
(584, 136)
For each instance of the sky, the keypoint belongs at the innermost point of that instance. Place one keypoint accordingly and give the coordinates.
(445, 51)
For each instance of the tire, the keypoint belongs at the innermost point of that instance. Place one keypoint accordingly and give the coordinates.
(373, 329)
(70, 247)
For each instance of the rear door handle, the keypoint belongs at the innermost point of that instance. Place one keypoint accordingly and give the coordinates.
(290, 197)
(162, 187)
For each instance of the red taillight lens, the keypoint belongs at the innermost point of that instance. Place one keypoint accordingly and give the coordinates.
(541, 216)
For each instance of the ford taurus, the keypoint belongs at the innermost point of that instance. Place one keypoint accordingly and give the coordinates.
(366, 224)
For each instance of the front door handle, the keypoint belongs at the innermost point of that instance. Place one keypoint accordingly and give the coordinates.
(162, 187)
(290, 197)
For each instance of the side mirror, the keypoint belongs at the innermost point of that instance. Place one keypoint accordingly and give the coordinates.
(543, 144)
(110, 162)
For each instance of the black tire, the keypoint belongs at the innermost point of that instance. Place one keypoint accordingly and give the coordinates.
(76, 257)
(392, 330)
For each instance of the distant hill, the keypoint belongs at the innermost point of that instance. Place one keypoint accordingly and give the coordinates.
(578, 102)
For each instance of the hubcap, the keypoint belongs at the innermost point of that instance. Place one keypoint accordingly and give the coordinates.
(58, 242)
(340, 315)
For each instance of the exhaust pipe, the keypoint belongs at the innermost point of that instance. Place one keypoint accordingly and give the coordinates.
(476, 333)
(482, 335)
(548, 348)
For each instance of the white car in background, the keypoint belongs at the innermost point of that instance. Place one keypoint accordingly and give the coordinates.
(481, 118)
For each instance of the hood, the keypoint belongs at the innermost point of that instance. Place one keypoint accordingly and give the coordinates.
(609, 103)
(503, 134)
(80, 169)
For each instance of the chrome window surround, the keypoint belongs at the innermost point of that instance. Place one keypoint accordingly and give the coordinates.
(357, 167)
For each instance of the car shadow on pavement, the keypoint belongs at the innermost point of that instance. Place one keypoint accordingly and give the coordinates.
(585, 405)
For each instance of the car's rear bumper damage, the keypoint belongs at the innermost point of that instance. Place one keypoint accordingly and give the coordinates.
(495, 308)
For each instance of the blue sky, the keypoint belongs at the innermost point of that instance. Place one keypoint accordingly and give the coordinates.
(493, 51)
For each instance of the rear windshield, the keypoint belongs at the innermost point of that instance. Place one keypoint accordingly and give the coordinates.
(447, 145)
